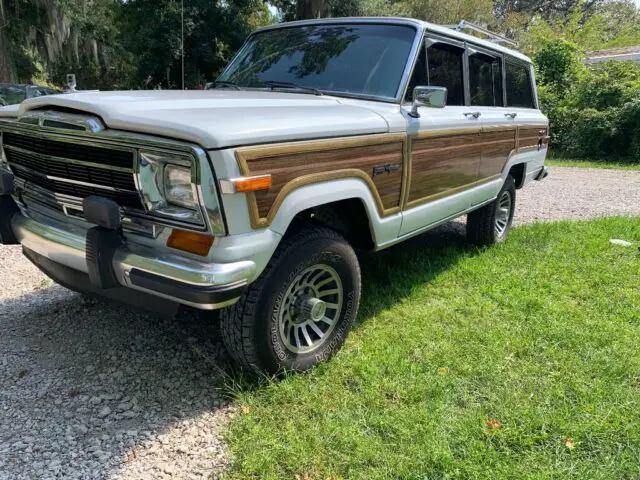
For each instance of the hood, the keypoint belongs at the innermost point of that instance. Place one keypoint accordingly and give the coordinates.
(221, 118)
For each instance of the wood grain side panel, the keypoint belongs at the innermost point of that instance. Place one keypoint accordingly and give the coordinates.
(530, 136)
(287, 168)
(294, 165)
(497, 145)
(442, 163)
(450, 161)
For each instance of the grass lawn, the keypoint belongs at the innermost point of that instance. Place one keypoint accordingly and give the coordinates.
(520, 361)
(567, 162)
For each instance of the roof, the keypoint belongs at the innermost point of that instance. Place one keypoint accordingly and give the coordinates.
(420, 24)
(623, 53)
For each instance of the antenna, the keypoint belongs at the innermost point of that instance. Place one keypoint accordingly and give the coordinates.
(493, 37)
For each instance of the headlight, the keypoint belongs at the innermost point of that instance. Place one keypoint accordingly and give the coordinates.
(178, 189)
(168, 186)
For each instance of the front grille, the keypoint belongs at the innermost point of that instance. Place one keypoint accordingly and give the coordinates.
(85, 153)
(76, 170)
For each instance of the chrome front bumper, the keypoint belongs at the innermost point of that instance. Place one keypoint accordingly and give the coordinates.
(205, 286)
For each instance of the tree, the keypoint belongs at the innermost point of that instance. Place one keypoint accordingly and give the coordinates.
(306, 9)
(446, 11)
(45, 37)
(151, 31)
(547, 9)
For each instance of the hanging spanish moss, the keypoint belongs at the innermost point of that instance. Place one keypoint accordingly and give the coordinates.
(42, 39)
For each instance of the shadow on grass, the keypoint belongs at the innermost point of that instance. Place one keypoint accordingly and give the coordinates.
(390, 276)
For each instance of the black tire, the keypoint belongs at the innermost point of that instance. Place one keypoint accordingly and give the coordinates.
(252, 328)
(482, 224)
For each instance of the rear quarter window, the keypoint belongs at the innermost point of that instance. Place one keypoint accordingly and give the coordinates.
(519, 85)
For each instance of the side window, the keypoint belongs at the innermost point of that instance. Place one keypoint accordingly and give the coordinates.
(444, 69)
(519, 86)
(485, 80)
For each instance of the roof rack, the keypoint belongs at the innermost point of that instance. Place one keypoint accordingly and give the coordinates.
(493, 37)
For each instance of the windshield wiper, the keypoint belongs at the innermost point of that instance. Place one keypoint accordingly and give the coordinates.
(224, 84)
(272, 84)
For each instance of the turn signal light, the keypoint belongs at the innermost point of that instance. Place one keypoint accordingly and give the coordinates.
(252, 184)
(191, 242)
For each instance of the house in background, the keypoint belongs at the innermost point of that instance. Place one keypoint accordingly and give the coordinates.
(631, 54)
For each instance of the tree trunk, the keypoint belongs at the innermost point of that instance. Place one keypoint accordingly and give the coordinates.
(312, 9)
(7, 69)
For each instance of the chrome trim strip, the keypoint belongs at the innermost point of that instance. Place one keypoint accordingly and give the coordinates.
(31, 195)
(73, 182)
(66, 245)
(72, 161)
(28, 189)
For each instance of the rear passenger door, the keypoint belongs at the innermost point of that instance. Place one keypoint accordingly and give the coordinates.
(486, 96)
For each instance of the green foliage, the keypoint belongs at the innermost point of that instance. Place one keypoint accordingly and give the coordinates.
(112, 44)
(304, 9)
(610, 85)
(592, 110)
(213, 32)
(555, 161)
(594, 113)
(603, 25)
(588, 132)
(558, 63)
(435, 11)
(47, 39)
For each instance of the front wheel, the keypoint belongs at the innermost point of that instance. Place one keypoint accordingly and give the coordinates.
(491, 224)
(299, 312)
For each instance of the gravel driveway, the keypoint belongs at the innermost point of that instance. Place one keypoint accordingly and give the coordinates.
(94, 390)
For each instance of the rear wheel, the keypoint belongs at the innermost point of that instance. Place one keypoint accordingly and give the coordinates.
(491, 224)
(298, 313)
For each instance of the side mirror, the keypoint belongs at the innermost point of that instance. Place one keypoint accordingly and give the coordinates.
(432, 97)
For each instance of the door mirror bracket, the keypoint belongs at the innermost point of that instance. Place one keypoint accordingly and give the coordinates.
(432, 97)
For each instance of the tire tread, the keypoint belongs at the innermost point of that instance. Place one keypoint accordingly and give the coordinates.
(480, 222)
(236, 321)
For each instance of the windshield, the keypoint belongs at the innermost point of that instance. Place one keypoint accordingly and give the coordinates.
(353, 59)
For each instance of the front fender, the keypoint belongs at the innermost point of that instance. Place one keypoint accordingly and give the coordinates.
(303, 198)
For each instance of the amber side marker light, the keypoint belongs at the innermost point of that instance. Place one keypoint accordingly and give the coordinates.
(191, 242)
(252, 184)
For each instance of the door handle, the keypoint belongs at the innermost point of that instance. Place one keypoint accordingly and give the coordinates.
(472, 115)
(511, 115)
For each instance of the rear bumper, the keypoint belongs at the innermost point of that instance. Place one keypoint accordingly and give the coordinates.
(205, 286)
